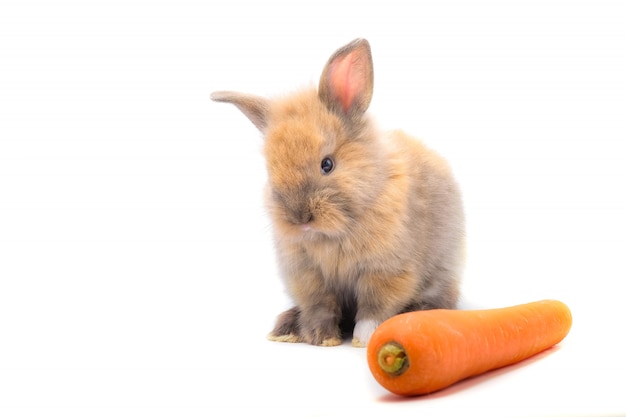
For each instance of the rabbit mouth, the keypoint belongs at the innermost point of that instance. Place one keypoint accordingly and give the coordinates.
(311, 218)
(305, 228)
(313, 229)
(299, 231)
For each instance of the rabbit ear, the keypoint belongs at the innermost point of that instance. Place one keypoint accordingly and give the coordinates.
(254, 107)
(347, 82)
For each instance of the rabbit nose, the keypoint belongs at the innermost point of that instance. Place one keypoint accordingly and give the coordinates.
(296, 204)
(302, 216)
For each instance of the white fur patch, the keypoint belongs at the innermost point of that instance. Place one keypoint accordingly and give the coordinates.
(363, 331)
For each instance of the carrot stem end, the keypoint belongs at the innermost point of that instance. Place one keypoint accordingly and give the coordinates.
(392, 358)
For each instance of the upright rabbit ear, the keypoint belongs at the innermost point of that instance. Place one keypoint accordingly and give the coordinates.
(254, 107)
(347, 82)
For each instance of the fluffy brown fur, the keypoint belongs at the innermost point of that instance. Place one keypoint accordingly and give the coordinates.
(379, 234)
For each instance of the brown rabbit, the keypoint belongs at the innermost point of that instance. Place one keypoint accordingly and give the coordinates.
(367, 225)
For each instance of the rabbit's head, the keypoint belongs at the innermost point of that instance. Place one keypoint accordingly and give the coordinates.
(324, 161)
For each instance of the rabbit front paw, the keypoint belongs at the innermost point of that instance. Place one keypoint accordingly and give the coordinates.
(363, 332)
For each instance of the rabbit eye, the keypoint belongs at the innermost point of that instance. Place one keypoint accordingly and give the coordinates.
(327, 165)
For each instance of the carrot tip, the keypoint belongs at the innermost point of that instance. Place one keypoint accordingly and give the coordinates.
(393, 359)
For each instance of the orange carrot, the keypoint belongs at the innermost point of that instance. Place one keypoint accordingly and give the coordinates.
(424, 351)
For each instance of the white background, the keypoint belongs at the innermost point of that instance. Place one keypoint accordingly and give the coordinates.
(137, 275)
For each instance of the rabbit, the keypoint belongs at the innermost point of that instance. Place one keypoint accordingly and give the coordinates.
(366, 224)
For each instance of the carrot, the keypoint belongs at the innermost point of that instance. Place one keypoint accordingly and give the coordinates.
(424, 351)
